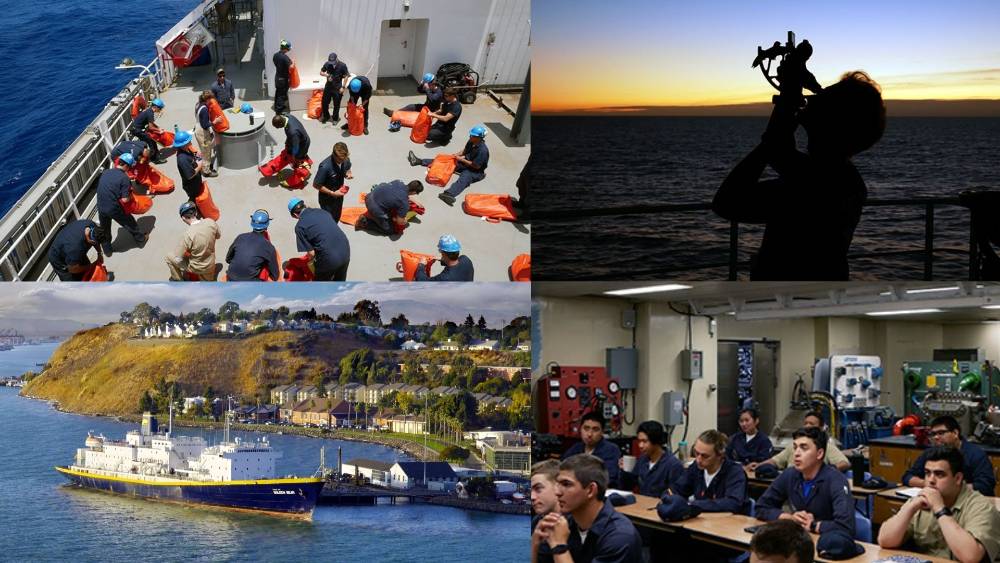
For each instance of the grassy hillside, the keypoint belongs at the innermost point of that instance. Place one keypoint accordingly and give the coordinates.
(105, 370)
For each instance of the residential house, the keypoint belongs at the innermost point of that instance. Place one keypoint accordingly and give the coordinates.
(353, 392)
(191, 402)
(306, 392)
(415, 390)
(485, 345)
(374, 393)
(266, 413)
(445, 390)
(450, 345)
(382, 418)
(413, 346)
(376, 472)
(315, 411)
(410, 474)
(284, 393)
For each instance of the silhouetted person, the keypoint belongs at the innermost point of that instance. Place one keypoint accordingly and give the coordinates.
(985, 229)
(812, 209)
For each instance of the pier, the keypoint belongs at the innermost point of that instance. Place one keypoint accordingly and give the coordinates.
(347, 493)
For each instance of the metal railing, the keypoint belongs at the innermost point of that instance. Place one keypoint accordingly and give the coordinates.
(71, 195)
(734, 265)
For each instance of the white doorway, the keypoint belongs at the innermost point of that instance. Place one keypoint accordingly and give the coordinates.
(397, 46)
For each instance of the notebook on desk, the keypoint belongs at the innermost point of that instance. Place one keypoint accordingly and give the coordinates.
(908, 492)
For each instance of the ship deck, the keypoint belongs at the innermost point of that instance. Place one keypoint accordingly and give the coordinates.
(375, 158)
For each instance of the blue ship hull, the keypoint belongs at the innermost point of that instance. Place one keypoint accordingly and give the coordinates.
(287, 497)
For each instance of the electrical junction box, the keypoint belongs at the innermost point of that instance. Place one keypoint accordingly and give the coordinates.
(673, 408)
(623, 364)
(692, 362)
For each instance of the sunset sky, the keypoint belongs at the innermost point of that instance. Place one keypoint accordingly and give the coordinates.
(593, 54)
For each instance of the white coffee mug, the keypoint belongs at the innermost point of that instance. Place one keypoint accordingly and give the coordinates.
(629, 462)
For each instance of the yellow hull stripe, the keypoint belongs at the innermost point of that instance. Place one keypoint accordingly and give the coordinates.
(183, 483)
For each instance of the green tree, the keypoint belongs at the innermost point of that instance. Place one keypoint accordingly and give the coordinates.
(399, 322)
(355, 365)
(209, 393)
(469, 323)
(388, 400)
(412, 373)
(454, 453)
(390, 340)
(481, 325)
(493, 386)
(229, 311)
(368, 312)
(440, 333)
(146, 403)
(405, 401)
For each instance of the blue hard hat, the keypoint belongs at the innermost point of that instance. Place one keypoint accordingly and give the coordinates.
(127, 158)
(158, 103)
(478, 131)
(187, 207)
(246, 108)
(448, 243)
(285, 44)
(182, 139)
(293, 203)
(355, 85)
(428, 77)
(332, 58)
(260, 220)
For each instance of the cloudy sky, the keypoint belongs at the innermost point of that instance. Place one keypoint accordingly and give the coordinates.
(591, 54)
(101, 303)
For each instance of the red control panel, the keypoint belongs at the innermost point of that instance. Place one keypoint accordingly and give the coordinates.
(569, 392)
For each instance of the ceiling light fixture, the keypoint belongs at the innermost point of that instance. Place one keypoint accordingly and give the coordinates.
(648, 289)
(902, 312)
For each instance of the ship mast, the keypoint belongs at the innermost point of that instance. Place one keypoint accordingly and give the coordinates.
(229, 411)
(170, 421)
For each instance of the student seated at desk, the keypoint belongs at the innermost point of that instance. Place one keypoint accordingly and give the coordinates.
(543, 489)
(834, 456)
(591, 530)
(713, 483)
(946, 519)
(819, 495)
(593, 442)
(782, 541)
(945, 431)
(749, 445)
(655, 469)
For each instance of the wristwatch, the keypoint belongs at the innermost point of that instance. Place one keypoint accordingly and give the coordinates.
(561, 548)
(943, 512)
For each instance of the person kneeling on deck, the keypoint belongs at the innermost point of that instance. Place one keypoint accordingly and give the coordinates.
(330, 178)
(834, 456)
(656, 469)
(782, 541)
(114, 191)
(819, 495)
(978, 473)
(336, 74)
(543, 492)
(190, 165)
(361, 90)
(319, 234)
(138, 149)
(457, 267)
(296, 152)
(470, 164)
(195, 253)
(252, 253)
(749, 445)
(591, 530)
(204, 132)
(946, 518)
(388, 205)
(68, 253)
(142, 122)
(445, 119)
(592, 442)
(223, 90)
(434, 97)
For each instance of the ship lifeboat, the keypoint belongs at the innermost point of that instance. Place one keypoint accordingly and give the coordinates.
(94, 442)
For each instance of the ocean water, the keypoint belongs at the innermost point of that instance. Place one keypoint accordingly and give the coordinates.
(24, 358)
(47, 521)
(60, 72)
(605, 161)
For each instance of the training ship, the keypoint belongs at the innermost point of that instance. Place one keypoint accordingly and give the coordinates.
(235, 474)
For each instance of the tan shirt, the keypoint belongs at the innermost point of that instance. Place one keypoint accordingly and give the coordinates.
(833, 456)
(973, 512)
(199, 245)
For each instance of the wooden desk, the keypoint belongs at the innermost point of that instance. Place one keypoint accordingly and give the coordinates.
(728, 530)
(887, 503)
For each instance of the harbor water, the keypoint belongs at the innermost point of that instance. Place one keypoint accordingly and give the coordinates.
(45, 520)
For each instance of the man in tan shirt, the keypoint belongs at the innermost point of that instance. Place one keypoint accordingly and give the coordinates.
(195, 253)
(946, 519)
(834, 456)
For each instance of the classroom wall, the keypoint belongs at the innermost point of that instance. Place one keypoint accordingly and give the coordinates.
(897, 342)
(974, 335)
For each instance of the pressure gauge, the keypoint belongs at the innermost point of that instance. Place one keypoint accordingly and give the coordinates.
(613, 387)
(614, 410)
(571, 393)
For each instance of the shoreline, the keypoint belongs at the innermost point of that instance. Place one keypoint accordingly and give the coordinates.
(411, 449)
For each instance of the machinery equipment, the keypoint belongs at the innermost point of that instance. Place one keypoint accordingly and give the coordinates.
(855, 385)
(568, 392)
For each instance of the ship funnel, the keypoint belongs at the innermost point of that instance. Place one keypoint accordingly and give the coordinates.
(149, 425)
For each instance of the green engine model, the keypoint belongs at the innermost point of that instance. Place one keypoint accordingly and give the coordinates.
(948, 381)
